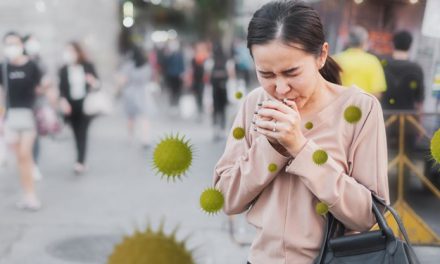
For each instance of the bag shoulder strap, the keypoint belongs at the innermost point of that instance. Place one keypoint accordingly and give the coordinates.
(399, 224)
(5, 80)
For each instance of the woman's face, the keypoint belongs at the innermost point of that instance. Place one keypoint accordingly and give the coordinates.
(288, 72)
(70, 55)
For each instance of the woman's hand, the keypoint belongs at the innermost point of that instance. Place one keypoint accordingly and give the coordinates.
(281, 123)
(65, 107)
(92, 81)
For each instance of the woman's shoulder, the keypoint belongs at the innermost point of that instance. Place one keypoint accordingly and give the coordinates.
(257, 94)
(358, 98)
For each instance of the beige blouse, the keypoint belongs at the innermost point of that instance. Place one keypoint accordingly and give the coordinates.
(281, 193)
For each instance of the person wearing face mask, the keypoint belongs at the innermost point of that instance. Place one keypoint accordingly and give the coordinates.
(302, 145)
(77, 78)
(20, 78)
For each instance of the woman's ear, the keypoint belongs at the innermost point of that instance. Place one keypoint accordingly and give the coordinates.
(323, 57)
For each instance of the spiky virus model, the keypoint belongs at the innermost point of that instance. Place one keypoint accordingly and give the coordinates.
(150, 247)
(238, 133)
(320, 157)
(308, 125)
(172, 156)
(321, 208)
(435, 146)
(211, 201)
(352, 114)
(272, 167)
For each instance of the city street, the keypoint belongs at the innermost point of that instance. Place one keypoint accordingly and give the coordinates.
(84, 216)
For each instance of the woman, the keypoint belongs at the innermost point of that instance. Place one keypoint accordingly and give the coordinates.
(308, 142)
(77, 79)
(138, 103)
(20, 78)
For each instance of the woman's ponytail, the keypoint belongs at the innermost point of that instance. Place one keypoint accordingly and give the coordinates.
(331, 71)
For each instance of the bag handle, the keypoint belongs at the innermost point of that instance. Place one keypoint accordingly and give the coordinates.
(5, 85)
(399, 224)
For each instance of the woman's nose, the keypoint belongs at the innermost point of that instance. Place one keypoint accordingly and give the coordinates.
(282, 87)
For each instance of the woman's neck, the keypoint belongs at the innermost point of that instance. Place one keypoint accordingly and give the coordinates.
(317, 99)
(19, 61)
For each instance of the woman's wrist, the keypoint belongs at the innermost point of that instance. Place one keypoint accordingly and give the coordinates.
(280, 149)
(300, 144)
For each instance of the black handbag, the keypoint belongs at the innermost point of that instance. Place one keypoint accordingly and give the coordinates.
(371, 247)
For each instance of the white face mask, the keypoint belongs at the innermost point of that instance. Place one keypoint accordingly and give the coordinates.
(32, 47)
(13, 51)
(69, 57)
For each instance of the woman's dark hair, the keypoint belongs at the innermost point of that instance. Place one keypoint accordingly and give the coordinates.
(82, 58)
(402, 40)
(12, 34)
(138, 57)
(292, 22)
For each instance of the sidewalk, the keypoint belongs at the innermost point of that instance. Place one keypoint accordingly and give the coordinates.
(118, 193)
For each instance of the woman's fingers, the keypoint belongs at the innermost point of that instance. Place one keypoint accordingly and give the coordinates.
(268, 133)
(276, 105)
(268, 125)
(291, 104)
(269, 114)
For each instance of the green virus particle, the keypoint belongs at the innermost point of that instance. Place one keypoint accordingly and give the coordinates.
(211, 200)
(238, 133)
(435, 146)
(392, 101)
(238, 95)
(352, 114)
(413, 85)
(320, 157)
(384, 62)
(172, 157)
(321, 208)
(151, 247)
(272, 167)
(309, 125)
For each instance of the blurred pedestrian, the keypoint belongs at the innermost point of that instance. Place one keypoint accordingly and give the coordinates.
(243, 61)
(360, 67)
(20, 79)
(174, 69)
(218, 77)
(198, 75)
(405, 86)
(137, 98)
(77, 78)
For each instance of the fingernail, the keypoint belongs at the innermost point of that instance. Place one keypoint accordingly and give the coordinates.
(260, 104)
(255, 129)
(256, 112)
(253, 122)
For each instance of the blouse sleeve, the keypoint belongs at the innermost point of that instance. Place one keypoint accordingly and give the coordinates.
(348, 196)
(243, 170)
